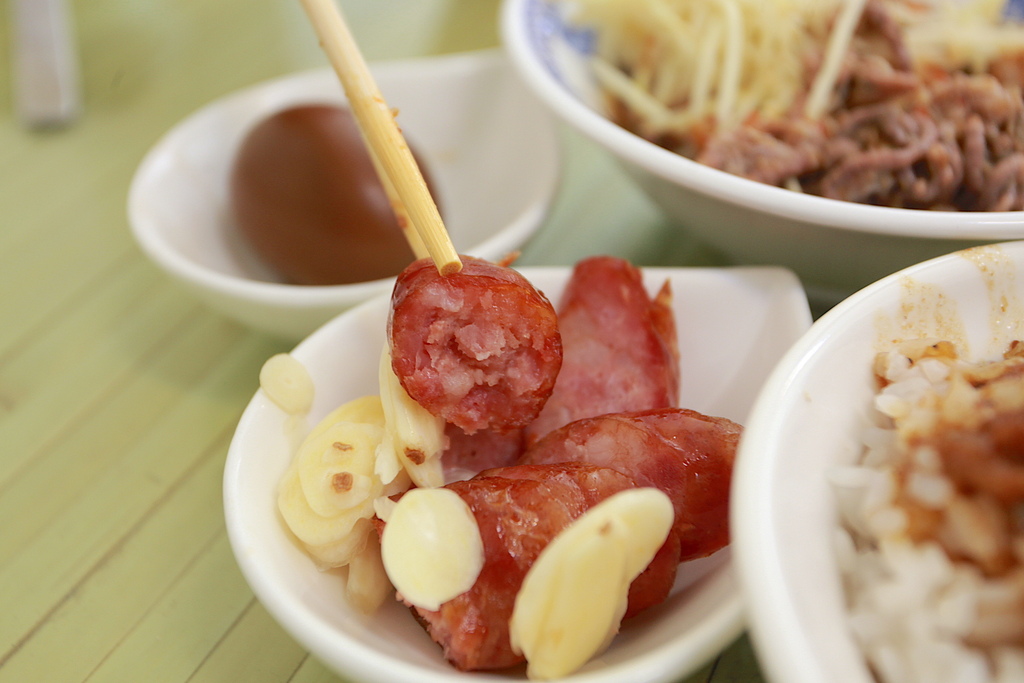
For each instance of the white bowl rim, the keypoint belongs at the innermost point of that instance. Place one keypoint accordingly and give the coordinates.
(301, 297)
(734, 189)
(783, 647)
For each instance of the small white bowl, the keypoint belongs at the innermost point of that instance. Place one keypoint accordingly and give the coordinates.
(491, 149)
(836, 247)
(734, 324)
(811, 416)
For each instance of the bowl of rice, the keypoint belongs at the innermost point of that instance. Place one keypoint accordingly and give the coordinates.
(844, 140)
(879, 484)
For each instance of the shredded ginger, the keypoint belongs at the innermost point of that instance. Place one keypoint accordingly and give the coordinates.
(675, 63)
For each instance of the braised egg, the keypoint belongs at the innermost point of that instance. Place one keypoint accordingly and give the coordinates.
(306, 197)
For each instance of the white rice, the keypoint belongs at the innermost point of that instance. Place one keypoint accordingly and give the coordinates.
(918, 614)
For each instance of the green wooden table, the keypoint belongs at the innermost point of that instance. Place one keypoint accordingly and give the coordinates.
(119, 392)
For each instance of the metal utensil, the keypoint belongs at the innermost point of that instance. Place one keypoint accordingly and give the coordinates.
(45, 63)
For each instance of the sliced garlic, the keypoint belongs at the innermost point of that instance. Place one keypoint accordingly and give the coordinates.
(415, 438)
(365, 409)
(330, 541)
(383, 507)
(568, 606)
(336, 467)
(431, 547)
(573, 597)
(367, 585)
(387, 465)
(326, 496)
(341, 552)
(287, 383)
(399, 484)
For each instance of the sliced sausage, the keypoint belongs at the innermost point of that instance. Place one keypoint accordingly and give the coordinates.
(519, 510)
(619, 347)
(686, 454)
(479, 348)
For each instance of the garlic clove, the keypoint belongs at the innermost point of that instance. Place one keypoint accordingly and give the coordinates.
(572, 599)
(387, 466)
(431, 547)
(326, 538)
(285, 380)
(367, 585)
(346, 548)
(383, 506)
(569, 602)
(336, 467)
(416, 437)
(365, 409)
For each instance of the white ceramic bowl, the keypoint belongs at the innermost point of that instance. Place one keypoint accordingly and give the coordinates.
(491, 149)
(734, 324)
(811, 416)
(835, 247)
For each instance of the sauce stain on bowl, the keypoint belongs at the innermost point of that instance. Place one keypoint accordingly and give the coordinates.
(1006, 310)
(927, 310)
(924, 311)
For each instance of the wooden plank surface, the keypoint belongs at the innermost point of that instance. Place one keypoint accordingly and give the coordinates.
(119, 391)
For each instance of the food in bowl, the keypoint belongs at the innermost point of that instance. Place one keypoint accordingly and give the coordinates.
(305, 194)
(898, 103)
(734, 323)
(480, 348)
(180, 207)
(932, 546)
(637, 487)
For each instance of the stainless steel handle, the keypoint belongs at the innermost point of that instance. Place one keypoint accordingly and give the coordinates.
(46, 73)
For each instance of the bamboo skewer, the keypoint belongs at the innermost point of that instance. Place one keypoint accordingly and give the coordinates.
(387, 146)
(419, 249)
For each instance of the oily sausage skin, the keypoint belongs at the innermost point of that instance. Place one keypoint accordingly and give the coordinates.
(519, 510)
(619, 345)
(652, 586)
(686, 454)
(610, 424)
(480, 348)
(469, 454)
